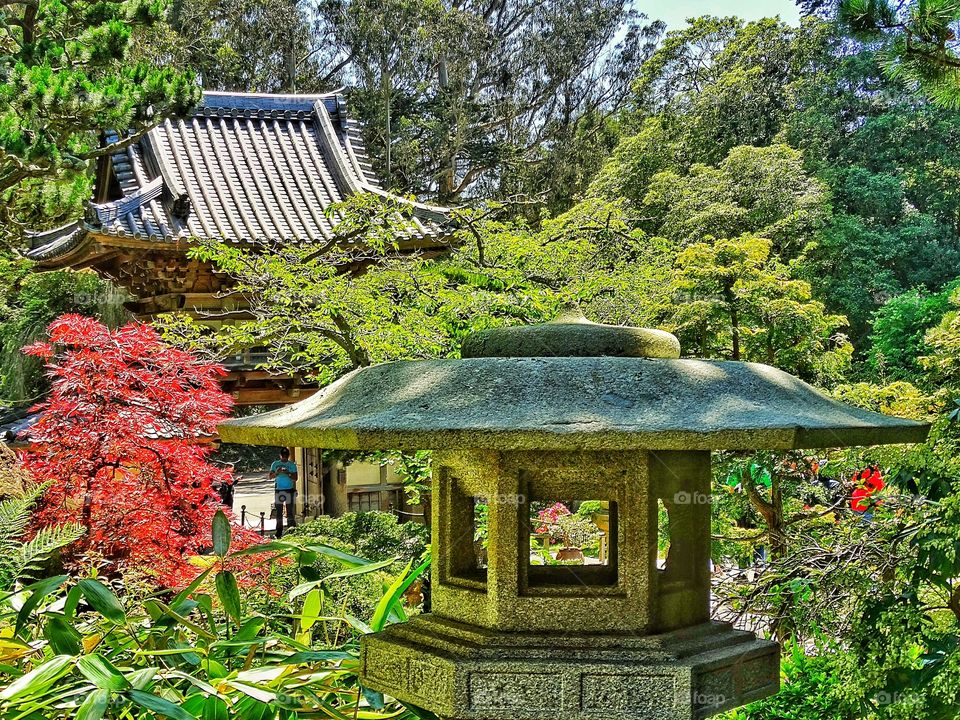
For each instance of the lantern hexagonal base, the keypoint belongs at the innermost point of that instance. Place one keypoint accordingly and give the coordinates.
(460, 672)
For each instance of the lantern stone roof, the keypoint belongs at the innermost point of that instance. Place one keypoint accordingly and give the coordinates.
(241, 167)
(571, 402)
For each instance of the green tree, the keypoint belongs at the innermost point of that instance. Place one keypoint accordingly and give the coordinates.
(499, 86)
(66, 79)
(30, 303)
(637, 158)
(921, 41)
(245, 45)
(735, 300)
(943, 342)
(888, 159)
(762, 190)
(899, 329)
(320, 316)
(458, 99)
(723, 82)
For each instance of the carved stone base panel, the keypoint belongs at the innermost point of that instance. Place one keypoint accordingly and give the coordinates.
(457, 671)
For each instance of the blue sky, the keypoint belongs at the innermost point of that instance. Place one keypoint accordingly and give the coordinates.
(674, 12)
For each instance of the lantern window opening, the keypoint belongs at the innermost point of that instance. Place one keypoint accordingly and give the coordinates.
(568, 542)
(481, 531)
(663, 536)
(463, 532)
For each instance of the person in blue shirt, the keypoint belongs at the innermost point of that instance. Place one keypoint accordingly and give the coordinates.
(283, 472)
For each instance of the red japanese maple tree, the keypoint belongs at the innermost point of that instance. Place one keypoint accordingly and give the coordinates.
(121, 438)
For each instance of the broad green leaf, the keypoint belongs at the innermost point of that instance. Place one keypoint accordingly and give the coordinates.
(195, 681)
(393, 595)
(63, 639)
(153, 610)
(102, 599)
(215, 709)
(229, 593)
(264, 696)
(73, 599)
(221, 534)
(308, 557)
(345, 558)
(158, 705)
(304, 588)
(252, 709)
(363, 570)
(202, 632)
(215, 670)
(357, 624)
(193, 704)
(102, 673)
(262, 675)
(142, 679)
(249, 630)
(94, 706)
(311, 608)
(188, 652)
(38, 591)
(39, 678)
(191, 588)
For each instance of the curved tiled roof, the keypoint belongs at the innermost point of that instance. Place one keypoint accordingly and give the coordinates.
(242, 167)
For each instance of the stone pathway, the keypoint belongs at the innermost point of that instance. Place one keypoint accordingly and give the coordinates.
(255, 490)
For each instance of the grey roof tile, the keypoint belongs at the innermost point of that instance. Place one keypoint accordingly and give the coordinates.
(254, 167)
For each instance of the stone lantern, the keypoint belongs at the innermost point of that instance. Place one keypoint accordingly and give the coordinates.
(571, 410)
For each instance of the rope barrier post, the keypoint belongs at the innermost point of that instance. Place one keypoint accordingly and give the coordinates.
(243, 515)
(263, 523)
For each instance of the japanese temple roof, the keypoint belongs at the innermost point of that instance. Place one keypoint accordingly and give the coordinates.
(242, 167)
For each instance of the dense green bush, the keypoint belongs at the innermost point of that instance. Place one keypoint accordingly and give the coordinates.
(809, 690)
(373, 535)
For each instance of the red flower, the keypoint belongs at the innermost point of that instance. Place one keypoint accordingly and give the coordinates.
(869, 483)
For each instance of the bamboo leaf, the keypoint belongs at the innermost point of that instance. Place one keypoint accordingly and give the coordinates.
(157, 704)
(63, 639)
(39, 591)
(94, 706)
(215, 709)
(311, 608)
(393, 595)
(228, 593)
(39, 678)
(102, 599)
(102, 673)
(221, 534)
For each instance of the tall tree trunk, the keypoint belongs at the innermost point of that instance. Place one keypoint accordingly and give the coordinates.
(387, 90)
(734, 322)
(447, 179)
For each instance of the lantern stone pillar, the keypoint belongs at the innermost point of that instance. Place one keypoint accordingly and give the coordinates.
(579, 411)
